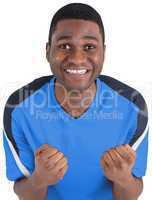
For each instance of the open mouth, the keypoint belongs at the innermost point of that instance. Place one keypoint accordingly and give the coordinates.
(76, 71)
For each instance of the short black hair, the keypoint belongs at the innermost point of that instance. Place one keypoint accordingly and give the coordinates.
(76, 11)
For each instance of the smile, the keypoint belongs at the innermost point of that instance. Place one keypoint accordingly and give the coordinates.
(74, 71)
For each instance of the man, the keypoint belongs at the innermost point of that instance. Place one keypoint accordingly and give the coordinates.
(72, 136)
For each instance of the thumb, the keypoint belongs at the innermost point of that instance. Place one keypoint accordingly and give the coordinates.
(40, 150)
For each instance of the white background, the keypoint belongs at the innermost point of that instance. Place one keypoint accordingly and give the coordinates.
(24, 27)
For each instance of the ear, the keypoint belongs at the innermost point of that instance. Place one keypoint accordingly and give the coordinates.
(104, 51)
(47, 51)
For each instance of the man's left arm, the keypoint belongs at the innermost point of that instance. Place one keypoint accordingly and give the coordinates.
(117, 164)
(130, 190)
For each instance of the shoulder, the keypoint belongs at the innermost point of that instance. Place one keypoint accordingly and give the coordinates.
(137, 101)
(22, 93)
(126, 91)
(14, 101)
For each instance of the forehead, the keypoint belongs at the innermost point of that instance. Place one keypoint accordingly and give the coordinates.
(76, 27)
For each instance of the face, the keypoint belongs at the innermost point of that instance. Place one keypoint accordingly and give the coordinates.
(76, 53)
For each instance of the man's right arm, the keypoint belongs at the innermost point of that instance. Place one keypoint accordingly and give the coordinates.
(50, 167)
(26, 190)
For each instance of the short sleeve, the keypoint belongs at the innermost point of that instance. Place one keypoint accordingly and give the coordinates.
(139, 140)
(140, 166)
(19, 156)
(137, 137)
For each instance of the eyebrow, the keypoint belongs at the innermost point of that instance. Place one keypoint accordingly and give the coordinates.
(64, 37)
(90, 37)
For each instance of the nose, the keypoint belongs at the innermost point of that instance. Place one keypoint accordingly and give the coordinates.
(77, 57)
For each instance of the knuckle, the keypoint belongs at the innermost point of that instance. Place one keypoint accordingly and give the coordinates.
(61, 154)
(65, 161)
(52, 150)
(105, 155)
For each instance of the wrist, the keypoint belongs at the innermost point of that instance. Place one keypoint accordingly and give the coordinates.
(36, 181)
(127, 182)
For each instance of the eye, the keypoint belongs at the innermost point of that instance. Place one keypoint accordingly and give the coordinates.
(65, 46)
(89, 47)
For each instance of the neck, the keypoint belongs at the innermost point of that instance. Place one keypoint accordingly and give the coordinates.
(74, 100)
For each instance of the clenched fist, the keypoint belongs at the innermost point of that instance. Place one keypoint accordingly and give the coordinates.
(117, 163)
(50, 166)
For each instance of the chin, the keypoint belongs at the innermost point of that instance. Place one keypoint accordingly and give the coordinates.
(78, 84)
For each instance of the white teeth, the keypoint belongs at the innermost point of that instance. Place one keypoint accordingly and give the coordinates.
(80, 71)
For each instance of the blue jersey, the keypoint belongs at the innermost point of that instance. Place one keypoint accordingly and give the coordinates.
(33, 117)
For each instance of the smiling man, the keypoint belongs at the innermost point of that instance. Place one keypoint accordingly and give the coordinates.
(76, 135)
